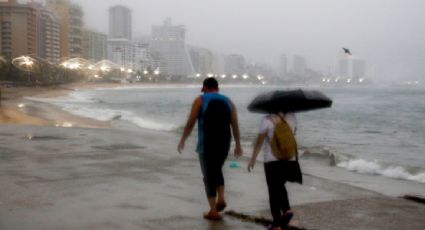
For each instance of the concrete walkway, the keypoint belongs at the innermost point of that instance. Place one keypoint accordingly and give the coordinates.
(59, 178)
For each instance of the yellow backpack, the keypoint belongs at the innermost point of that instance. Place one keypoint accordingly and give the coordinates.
(283, 143)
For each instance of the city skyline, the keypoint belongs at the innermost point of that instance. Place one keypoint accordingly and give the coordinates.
(388, 38)
(385, 33)
(165, 51)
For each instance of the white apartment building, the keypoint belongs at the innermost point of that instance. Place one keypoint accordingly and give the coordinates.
(234, 64)
(120, 51)
(169, 42)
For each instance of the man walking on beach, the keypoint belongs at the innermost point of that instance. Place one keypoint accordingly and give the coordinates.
(216, 115)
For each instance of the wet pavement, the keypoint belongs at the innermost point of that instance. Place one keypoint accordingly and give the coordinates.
(76, 178)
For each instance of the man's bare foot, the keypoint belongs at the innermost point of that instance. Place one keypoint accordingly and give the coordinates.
(270, 227)
(221, 205)
(212, 216)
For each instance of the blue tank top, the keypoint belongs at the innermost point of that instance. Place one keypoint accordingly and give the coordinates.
(206, 99)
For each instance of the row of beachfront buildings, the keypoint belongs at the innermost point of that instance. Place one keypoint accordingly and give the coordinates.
(55, 32)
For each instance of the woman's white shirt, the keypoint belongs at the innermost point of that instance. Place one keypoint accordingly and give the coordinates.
(268, 126)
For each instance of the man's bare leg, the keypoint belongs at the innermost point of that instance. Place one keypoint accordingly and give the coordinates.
(221, 202)
(213, 213)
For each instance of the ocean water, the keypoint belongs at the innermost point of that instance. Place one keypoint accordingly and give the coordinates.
(369, 131)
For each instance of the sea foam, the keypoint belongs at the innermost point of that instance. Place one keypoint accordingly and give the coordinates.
(85, 108)
(110, 114)
(373, 167)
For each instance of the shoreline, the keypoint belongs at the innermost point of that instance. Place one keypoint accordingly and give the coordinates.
(16, 109)
(105, 178)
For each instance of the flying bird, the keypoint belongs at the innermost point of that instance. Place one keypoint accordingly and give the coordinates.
(347, 51)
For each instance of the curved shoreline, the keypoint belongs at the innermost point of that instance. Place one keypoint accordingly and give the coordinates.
(16, 109)
(45, 114)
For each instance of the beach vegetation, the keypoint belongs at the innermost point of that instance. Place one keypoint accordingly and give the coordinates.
(47, 74)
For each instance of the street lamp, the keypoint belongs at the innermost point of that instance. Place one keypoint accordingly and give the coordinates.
(27, 61)
(75, 63)
(105, 68)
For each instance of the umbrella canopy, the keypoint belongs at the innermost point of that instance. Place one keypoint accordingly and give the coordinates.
(289, 101)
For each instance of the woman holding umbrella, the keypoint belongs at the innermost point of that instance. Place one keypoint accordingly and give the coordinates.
(277, 137)
(273, 166)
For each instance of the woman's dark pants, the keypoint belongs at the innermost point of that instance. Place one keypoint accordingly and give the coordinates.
(278, 196)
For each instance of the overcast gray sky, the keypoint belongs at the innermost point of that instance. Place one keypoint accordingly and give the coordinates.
(388, 34)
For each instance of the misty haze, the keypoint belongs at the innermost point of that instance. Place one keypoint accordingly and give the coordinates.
(388, 35)
(188, 114)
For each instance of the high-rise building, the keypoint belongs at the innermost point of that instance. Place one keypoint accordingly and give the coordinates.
(18, 29)
(141, 55)
(29, 29)
(234, 64)
(48, 34)
(120, 51)
(169, 41)
(218, 64)
(71, 23)
(202, 60)
(299, 65)
(120, 46)
(94, 45)
(358, 68)
(120, 23)
(144, 58)
(283, 65)
(343, 66)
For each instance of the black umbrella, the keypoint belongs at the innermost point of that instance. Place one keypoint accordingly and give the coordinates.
(289, 101)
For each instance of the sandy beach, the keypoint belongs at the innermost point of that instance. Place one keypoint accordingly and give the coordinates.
(88, 175)
(16, 109)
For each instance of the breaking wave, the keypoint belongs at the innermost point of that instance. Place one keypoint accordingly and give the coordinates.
(375, 168)
(109, 114)
(362, 166)
(102, 114)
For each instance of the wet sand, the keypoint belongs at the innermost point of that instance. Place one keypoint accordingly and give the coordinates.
(16, 109)
(54, 177)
